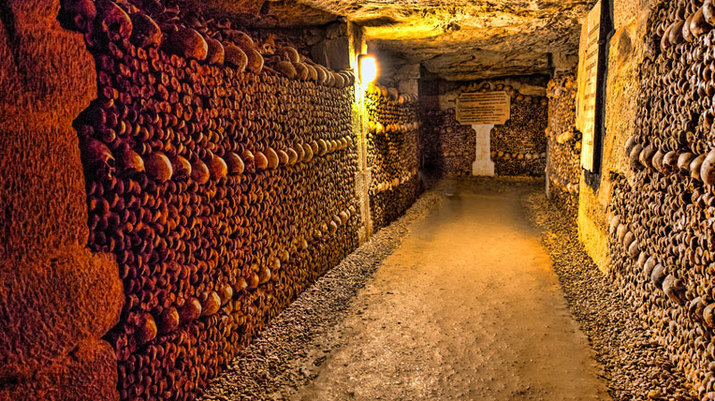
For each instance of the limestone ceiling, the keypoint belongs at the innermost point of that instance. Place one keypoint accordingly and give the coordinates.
(456, 39)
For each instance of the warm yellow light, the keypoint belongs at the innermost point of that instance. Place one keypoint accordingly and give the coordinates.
(368, 68)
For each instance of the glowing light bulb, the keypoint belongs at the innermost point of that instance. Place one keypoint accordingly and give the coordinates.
(368, 69)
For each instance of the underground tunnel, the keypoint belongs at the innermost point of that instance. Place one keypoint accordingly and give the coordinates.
(357, 200)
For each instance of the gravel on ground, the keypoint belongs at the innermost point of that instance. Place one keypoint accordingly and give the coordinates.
(289, 351)
(635, 366)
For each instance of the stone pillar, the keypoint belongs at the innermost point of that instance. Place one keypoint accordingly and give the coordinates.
(333, 51)
(483, 164)
(57, 298)
(349, 50)
(408, 77)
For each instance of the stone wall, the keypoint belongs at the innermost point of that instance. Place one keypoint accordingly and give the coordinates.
(392, 153)
(57, 296)
(517, 147)
(650, 212)
(563, 168)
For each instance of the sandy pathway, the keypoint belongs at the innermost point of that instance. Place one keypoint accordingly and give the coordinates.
(466, 308)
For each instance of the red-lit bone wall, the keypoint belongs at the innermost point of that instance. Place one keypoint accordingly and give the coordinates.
(198, 172)
(218, 183)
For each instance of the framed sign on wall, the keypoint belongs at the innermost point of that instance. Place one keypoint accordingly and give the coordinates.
(483, 108)
(592, 70)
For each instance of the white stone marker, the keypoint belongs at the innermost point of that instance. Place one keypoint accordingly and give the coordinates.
(483, 165)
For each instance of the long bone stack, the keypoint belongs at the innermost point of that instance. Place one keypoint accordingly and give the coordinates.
(661, 225)
(563, 168)
(392, 152)
(220, 172)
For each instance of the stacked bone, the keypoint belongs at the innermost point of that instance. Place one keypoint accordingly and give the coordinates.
(393, 126)
(221, 177)
(661, 238)
(564, 141)
(449, 147)
(519, 146)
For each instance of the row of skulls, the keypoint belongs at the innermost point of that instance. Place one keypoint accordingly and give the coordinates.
(660, 239)
(497, 86)
(392, 152)
(158, 27)
(221, 175)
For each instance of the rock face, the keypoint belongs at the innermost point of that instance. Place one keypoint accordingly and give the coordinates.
(457, 39)
(462, 40)
(57, 298)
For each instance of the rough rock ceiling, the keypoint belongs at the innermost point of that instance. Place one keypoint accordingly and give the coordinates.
(456, 39)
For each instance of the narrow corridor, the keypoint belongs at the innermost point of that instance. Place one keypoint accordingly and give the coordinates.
(273, 200)
(466, 308)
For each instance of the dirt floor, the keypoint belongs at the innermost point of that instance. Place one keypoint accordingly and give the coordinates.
(457, 300)
(466, 308)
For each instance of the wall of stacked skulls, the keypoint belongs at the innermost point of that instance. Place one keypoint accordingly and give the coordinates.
(563, 170)
(518, 147)
(452, 146)
(392, 152)
(661, 226)
(220, 173)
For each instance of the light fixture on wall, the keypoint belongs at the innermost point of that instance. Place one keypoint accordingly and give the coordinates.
(367, 68)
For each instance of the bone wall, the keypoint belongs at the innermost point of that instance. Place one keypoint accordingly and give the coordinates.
(392, 153)
(563, 169)
(517, 148)
(452, 147)
(660, 214)
(220, 174)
